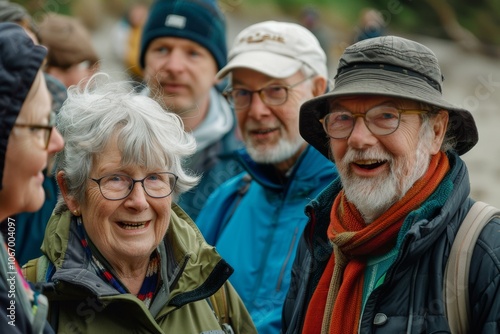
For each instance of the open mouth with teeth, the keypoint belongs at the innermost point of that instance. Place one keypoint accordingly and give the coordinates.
(133, 226)
(370, 164)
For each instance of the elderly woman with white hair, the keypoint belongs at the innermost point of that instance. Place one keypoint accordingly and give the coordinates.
(120, 255)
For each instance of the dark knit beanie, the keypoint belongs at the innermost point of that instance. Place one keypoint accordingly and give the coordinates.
(198, 20)
(20, 61)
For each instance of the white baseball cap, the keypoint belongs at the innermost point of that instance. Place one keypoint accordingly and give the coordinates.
(276, 49)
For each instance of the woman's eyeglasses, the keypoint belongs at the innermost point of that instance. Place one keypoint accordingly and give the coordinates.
(115, 187)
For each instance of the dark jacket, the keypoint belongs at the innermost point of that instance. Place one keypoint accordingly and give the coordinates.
(411, 298)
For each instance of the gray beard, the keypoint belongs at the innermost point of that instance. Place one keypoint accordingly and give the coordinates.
(373, 196)
(285, 149)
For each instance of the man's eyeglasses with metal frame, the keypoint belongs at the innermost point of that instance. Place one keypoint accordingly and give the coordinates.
(272, 95)
(380, 120)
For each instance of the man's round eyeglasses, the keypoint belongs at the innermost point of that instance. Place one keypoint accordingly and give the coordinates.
(115, 187)
(272, 95)
(380, 120)
(41, 131)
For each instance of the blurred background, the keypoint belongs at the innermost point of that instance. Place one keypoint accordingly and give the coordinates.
(464, 34)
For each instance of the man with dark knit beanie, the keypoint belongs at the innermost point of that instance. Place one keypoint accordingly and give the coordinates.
(183, 46)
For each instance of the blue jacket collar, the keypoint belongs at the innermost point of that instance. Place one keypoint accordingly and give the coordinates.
(308, 165)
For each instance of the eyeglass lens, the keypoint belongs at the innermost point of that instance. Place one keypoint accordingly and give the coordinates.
(381, 120)
(271, 95)
(118, 186)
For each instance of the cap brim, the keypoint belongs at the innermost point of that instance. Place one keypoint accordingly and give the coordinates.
(268, 63)
(374, 82)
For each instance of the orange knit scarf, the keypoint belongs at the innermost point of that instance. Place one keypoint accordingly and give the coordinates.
(335, 306)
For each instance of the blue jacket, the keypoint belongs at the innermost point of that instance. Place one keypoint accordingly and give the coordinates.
(255, 225)
(410, 300)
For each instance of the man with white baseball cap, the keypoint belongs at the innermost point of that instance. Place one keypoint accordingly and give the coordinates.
(255, 218)
(278, 49)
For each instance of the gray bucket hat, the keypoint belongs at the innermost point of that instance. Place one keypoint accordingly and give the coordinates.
(389, 66)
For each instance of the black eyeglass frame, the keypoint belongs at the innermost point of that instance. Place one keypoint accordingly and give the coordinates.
(134, 181)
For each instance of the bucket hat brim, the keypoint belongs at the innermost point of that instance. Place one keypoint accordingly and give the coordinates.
(379, 82)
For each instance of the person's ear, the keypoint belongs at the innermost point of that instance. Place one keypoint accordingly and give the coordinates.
(440, 124)
(70, 201)
(319, 85)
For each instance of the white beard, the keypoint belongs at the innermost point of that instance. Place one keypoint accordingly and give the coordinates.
(283, 150)
(373, 196)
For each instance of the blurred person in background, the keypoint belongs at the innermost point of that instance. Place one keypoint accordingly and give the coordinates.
(126, 38)
(256, 217)
(72, 56)
(27, 137)
(183, 46)
(370, 24)
(14, 12)
(310, 18)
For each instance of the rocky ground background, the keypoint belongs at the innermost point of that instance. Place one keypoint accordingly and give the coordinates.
(471, 81)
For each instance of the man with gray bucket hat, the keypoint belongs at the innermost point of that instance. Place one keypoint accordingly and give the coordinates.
(374, 255)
